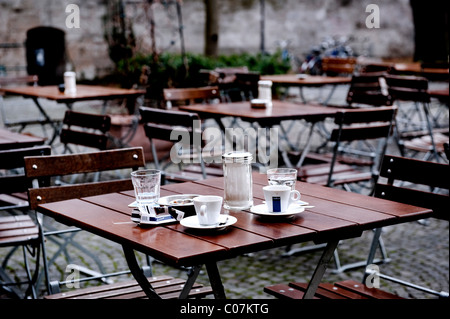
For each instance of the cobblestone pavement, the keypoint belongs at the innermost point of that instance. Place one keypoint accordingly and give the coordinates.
(418, 252)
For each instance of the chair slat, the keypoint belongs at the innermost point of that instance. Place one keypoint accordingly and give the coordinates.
(415, 171)
(85, 162)
(88, 120)
(98, 141)
(360, 133)
(51, 194)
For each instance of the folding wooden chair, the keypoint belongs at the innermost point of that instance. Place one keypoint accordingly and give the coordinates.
(244, 87)
(414, 182)
(406, 179)
(415, 120)
(44, 170)
(351, 165)
(17, 229)
(350, 139)
(333, 66)
(184, 130)
(85, 129)
(368, 89)
(186, 96)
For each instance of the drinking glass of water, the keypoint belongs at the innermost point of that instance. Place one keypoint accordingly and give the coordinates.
(146, 185)
(282, 176)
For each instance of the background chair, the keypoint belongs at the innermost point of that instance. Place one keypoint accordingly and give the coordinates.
(368, 89)
(184, 130)
(243, 88)
(333, 66)
(416, 129)
(352, 150)
(87, 130)
(352, 167)
(186, 96)
(17, 229)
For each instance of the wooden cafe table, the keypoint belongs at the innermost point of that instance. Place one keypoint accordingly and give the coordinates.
(336, 215)
(305, 80)
(83, 93)
(9, 140)
(280, 111)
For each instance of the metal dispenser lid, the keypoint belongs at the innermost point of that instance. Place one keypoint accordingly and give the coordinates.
(237, 157)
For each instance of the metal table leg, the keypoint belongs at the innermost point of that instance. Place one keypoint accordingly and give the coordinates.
(192, 277)
(320, 269)
(215, 280)
(48, 120)
(138, 274)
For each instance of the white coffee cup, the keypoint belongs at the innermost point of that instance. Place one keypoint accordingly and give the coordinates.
(279, 197)
(208, 209)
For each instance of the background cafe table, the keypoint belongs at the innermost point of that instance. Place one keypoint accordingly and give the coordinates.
(84, 93)
(336, 215)
(304, 80)
(280, 111)
(9, 140)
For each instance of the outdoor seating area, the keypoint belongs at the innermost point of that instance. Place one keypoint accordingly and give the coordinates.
(264, 176)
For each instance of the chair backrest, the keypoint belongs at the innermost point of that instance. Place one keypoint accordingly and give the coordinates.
(207, 77)
(14, 80)
(362, 125)
(16, 182)
(190, 95)
(43, 168)
(227, 71)
(247, 85)
(167, 124)
(401, 172)
(378, 124)
(408, 88)
(335, 66)
(375, 68)
(85, 129)
(369, 89)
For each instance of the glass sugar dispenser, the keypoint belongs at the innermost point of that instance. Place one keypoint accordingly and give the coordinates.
(237, 170)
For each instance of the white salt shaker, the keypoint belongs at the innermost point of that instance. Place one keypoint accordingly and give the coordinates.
(237, 172)
(265, 91)
(70, 86)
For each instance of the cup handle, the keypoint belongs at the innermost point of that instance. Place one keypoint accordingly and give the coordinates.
(203, 210)
(295, 195)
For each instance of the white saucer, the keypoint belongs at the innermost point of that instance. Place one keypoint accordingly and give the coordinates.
(263, 211)
(192, 222)
(133, 205)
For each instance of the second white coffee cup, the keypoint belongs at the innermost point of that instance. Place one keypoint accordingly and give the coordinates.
(208, 209)
(279, 197)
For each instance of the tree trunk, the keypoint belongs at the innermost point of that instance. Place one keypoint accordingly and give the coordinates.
(211, 28)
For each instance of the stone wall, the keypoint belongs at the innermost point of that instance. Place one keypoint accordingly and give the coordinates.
(303, 23)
